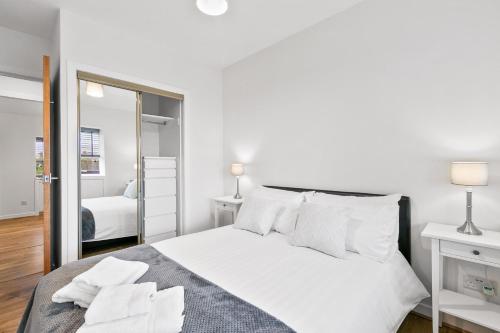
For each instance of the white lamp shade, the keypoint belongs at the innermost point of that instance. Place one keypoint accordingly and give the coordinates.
(94, 89)
(212, 7)
(469, 173)
(237, 169)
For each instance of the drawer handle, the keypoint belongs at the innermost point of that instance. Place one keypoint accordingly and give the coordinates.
(476, 252)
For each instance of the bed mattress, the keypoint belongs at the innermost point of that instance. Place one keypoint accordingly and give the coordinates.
(114, 217)
(236, 281)
(307, 290)
(208, 308)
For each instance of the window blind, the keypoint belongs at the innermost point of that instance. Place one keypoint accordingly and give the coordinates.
(90, 142)
(39, 148)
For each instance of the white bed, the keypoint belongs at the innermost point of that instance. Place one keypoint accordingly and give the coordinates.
(306, 289)
(114, 217)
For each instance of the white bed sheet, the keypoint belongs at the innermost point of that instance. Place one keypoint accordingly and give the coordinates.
(307, 290)
(114, 217)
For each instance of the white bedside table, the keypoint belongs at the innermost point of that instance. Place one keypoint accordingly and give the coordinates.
(228, 204)
(485, 249)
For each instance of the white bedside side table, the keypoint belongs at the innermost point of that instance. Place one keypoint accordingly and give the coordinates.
(228, 204)
(484, 249)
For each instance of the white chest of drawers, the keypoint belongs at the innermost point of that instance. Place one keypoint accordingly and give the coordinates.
(160, 198)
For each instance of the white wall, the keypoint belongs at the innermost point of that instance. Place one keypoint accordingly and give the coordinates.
(379, 98)
(120, 149)
(55, 49)
(22, 53)
(20, 124)
(150, 139)
(94, 45)
(150, 132)
(169, 134)
(19, 88)
(169, 139)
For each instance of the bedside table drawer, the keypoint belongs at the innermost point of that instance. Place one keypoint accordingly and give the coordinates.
(470, 251)
(224, 206)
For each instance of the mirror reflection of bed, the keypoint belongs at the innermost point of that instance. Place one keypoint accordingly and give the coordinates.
(108, 166)
(115, 224)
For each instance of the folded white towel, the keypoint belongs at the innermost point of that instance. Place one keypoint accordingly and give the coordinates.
(108, 272)
(133, 324)
(165, 317)
(72, 293)
(119, 302)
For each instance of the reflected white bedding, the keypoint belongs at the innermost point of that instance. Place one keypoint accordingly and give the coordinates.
(114, 217)
(307, 290)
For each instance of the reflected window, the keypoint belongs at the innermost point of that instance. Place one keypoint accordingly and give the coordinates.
(39, 157)
(91, 157)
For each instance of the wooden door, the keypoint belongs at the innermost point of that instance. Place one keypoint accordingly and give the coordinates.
(47, 177)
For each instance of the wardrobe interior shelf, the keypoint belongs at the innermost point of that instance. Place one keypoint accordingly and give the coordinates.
(154, 119)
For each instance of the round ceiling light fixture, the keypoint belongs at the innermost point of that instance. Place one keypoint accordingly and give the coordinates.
(212, 7)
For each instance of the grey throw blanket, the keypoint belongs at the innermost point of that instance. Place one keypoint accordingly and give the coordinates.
(208, 308)
(88, 224)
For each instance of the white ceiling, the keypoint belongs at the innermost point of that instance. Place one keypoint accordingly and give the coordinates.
(247, 27)
(36, 17)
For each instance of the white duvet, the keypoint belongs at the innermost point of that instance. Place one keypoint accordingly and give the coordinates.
(307, 290)
(114, 217)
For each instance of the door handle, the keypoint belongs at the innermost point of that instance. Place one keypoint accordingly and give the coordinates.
(49, 178)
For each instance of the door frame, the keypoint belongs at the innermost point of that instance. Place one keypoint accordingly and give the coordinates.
(69, 154)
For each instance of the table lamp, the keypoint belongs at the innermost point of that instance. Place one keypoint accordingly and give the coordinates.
(237, 170)
(469, 174)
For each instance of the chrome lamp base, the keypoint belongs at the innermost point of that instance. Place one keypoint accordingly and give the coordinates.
(469, 228)
(237, 195)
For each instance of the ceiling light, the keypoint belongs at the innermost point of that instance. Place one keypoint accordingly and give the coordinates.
(212, 7)
(95, 89)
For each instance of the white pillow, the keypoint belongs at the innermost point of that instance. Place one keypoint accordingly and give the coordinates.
(322, 228)
(373, 225)
(131, 190)
(290, 202)
(257, 214)
(308, 196)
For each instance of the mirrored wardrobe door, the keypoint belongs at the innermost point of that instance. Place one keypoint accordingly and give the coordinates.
(109, 150)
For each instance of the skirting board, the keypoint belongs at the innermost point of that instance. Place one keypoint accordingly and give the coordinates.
(14, 216)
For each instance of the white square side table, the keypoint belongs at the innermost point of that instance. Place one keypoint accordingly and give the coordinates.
(228, 204)
(485, 250)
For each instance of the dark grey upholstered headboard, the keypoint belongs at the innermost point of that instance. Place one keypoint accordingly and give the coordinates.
(404, 215)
